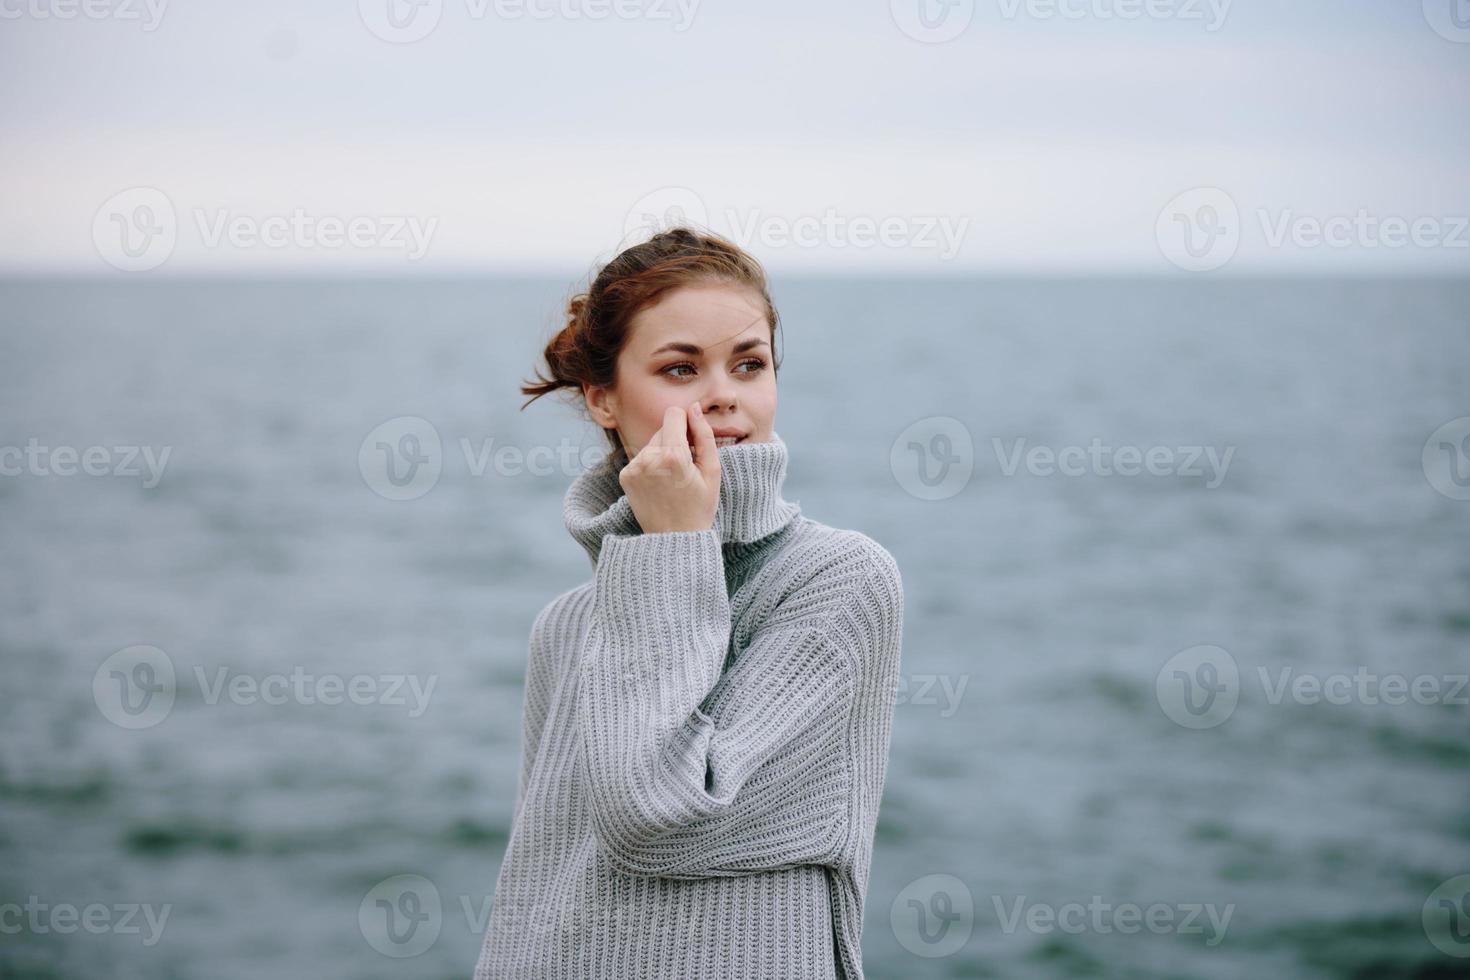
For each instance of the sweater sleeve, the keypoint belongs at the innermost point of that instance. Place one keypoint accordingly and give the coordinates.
(536, 697)
(792, 771)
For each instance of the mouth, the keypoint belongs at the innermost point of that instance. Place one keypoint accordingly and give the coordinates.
(728, 440)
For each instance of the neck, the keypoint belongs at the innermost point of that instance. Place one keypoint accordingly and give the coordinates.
(751, 505)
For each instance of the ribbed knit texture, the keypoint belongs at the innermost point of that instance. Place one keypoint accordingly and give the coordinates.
(705, 740)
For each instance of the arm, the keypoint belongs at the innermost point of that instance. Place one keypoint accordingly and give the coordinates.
(792, 772)
(536, 699)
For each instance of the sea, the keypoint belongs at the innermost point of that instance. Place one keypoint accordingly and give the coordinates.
(1186, 628)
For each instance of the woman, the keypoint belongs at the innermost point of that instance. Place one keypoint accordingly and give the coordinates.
(707, 720)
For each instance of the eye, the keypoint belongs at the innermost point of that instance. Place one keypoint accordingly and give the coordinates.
(750, 365)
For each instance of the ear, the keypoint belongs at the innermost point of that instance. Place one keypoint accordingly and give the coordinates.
(602, 404)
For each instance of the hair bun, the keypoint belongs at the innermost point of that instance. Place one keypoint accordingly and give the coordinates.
(576, 309)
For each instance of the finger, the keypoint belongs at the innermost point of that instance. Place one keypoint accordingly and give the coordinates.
(675, 433)
(706, 453)
(656, 440)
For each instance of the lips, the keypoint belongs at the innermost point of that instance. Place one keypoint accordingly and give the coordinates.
(728, 437)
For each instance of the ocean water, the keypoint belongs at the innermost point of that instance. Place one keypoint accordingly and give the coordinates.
(1065, 751)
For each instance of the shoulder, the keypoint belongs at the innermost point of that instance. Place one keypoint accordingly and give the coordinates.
(835, 553)
(828, 572)
(560, 624)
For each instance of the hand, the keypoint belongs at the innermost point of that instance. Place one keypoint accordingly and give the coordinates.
(673, 483)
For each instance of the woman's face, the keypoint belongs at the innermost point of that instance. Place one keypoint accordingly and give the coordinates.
(709, 343)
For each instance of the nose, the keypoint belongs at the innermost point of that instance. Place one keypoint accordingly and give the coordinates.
(719, 396)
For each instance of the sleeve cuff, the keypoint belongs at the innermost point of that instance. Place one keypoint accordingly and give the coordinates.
(661, 602)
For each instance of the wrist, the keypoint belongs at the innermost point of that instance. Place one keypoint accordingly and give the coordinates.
(678, 528)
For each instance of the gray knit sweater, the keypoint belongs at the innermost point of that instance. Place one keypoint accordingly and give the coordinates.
(705, 739)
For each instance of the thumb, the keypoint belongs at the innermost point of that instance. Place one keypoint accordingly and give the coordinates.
(706, 453)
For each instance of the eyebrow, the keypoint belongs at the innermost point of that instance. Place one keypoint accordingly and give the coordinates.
(687, 348)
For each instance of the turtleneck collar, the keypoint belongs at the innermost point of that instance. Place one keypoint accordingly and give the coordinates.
(751, 506)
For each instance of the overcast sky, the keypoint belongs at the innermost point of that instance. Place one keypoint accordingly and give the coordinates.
(1046, 136)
